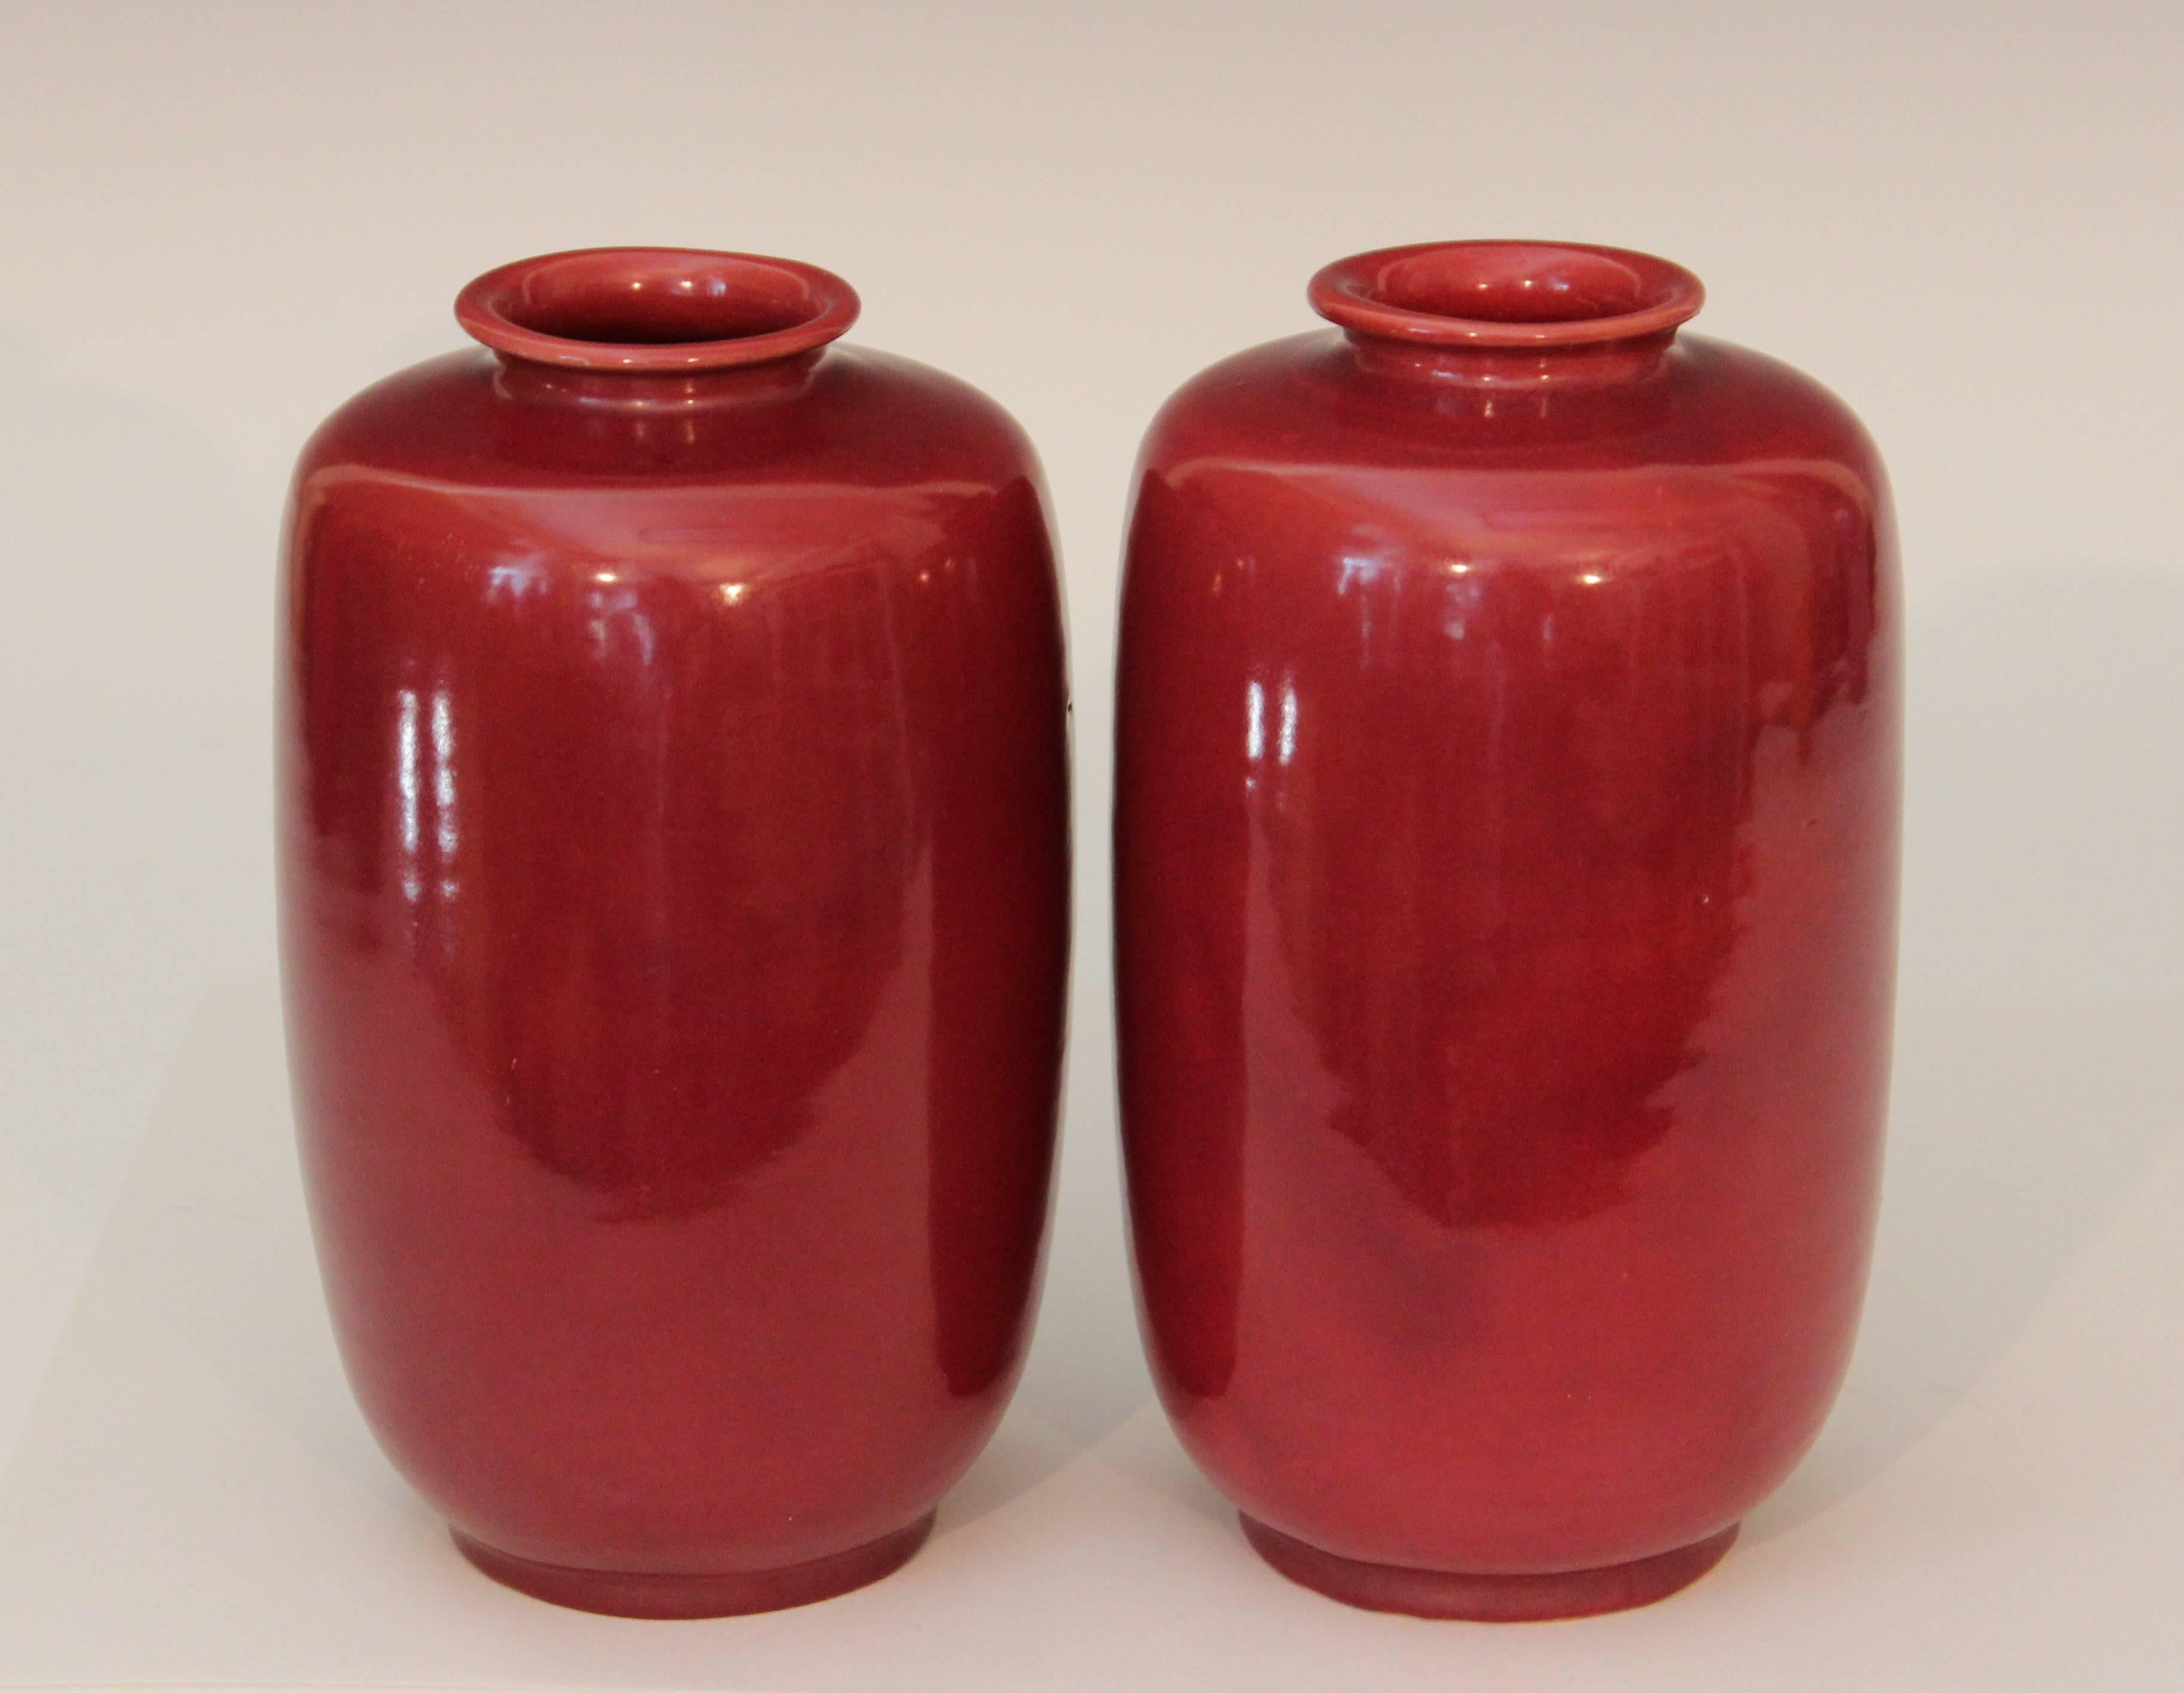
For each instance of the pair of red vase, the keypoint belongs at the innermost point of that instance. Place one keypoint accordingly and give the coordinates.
(674, 886)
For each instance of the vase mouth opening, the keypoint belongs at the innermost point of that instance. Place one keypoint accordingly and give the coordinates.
(1530, 294)
(656, 309)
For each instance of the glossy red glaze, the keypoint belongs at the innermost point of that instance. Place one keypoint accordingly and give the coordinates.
(674, 850)
(1506, 845)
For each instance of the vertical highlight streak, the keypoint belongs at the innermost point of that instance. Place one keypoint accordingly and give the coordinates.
(443, 773)
(407, 784)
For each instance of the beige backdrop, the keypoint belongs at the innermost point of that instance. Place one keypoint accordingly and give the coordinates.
(217, 220)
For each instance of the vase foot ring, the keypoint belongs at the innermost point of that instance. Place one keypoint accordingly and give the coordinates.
(615, 1593)
(1489, 1598)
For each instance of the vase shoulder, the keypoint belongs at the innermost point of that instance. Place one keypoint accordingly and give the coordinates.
(1310, 403)
(847, 416)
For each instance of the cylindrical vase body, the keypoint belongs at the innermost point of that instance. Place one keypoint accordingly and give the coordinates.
(1505, 873)
(674, 857)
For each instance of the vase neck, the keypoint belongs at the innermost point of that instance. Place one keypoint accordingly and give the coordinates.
(1513, 370)
(1505, 315)
(656, 392)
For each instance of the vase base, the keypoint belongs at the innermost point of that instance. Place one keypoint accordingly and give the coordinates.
(616, 1593)
(1489, 1598)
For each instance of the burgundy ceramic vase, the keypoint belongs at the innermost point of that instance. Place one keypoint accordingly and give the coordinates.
(1506, 859)
(674, 858)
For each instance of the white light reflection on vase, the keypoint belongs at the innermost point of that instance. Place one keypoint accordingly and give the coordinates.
(424, 779)
(407, 783)
(445, 835)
